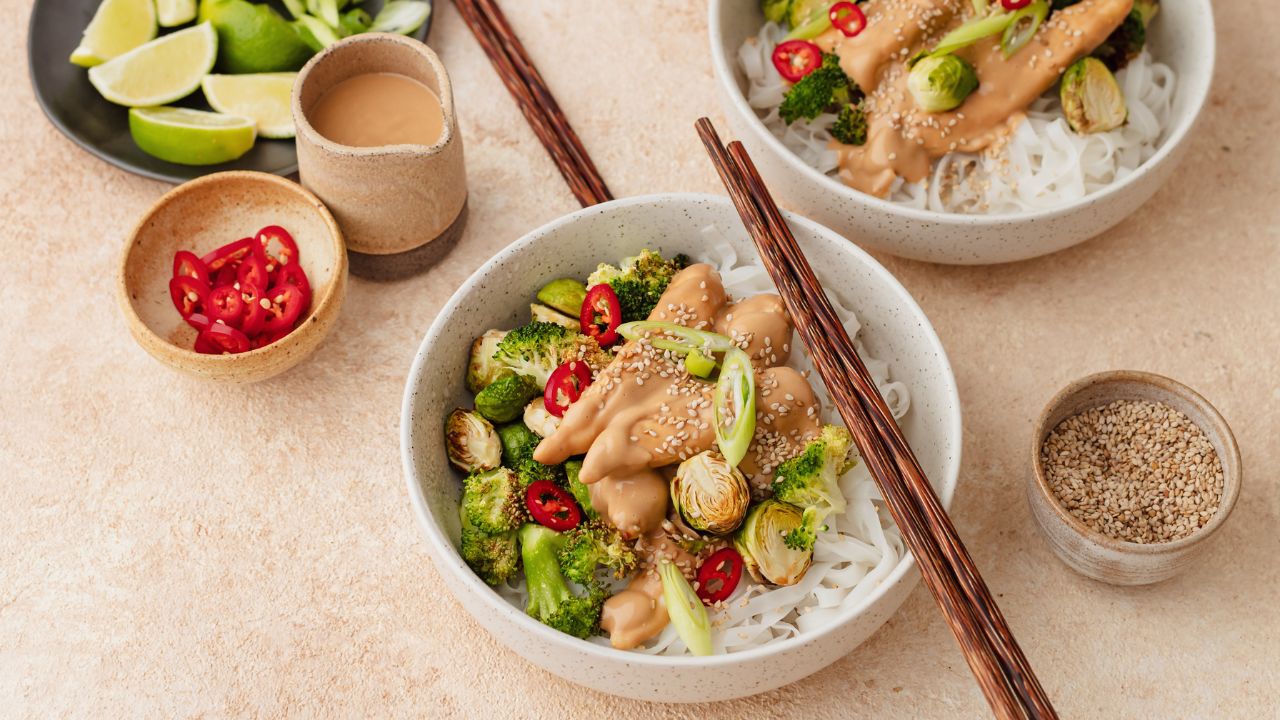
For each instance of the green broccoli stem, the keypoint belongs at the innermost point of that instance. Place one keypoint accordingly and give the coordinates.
(539, 547)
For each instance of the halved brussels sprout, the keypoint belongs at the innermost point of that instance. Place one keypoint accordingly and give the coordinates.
(483, 369)
(539, 420)
(471, 441)
(1091, 98)
(762, 543)
(503, 399)
(542, 313)
(710, 494)
(941, 82)
(565, 295)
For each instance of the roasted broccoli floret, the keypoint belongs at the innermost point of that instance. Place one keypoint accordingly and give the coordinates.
(482, 369)
(1124, 43)
(493, 556)
(530, 471)
(639, 281)
(850, 127)
(551, 600)
(493, 500)
(824, 89)
(518, 443)
(591, 545)
(504, 399)
(578, 489)
(539, 348)
(812, 478)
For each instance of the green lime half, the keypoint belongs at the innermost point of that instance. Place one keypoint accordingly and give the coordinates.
(254, 38)
(163, 70)
(190, 137)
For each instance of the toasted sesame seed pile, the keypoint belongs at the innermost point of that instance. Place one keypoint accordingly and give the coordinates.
(1134, 470)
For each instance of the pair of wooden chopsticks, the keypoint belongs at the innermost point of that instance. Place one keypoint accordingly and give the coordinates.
(993, 654)
(540, 108)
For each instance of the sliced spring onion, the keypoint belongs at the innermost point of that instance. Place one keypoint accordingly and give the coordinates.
(980, 7)
(812, 29)
(1023, 27)
(315, 33)
(699, 364)
(401, 16)
(686, 339)
(735, 406)
(296, 8)
(328, 12)
(688, 614)
(971, 32)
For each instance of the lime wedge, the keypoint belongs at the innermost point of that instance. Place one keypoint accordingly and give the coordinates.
(117, 27)
(163, 70)
(173, 13)
(264, 98)
(190, 137)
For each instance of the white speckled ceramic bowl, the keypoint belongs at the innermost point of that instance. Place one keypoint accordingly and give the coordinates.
(1182, 36)
(498, 295)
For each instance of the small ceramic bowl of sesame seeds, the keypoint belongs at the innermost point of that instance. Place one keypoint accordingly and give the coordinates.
(1132, 473)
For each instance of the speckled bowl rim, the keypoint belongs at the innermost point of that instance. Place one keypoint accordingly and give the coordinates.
(494, 603)
(313, 136)
(250, 177)
(1230, 483)
(723, 67)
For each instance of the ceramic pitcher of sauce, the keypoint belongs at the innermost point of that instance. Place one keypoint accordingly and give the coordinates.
(394, 199)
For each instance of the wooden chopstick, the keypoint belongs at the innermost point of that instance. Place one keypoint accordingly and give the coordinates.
(1002, 671)
(539, 106)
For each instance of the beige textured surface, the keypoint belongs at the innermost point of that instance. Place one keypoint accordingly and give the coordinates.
(173, 548)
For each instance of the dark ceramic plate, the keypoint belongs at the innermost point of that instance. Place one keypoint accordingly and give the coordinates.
(75, 107)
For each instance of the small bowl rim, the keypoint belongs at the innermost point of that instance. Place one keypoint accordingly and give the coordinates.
(438, 542)
(723, 70)
(303, 124)
(1231, 482)
(319, 303)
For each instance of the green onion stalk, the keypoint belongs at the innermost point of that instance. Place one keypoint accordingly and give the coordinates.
(688, 614)
(735, 406)
(684, 340)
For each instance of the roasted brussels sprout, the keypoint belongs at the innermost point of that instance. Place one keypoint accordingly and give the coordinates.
(471, 442)
(542, 313)
(503, 400)
(538, 419)
(518, 443)
(565, 295)
(1091, 98)
(941, 82)
(710, 494)
(762, 542)
(483, 369)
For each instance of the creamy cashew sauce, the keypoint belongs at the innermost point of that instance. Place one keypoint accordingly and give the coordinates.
(903, 140)
(644, 412)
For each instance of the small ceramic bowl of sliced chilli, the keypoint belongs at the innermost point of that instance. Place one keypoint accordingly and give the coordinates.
(235, 276)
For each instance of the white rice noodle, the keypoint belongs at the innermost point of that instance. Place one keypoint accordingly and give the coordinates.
(1043, 165)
